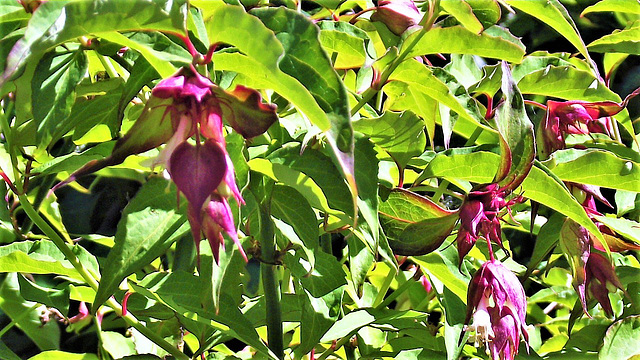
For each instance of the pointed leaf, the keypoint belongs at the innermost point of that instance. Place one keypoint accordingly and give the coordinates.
(625, 6)
(494, 42)
(53, 90)
(552, 13)
(463, 12)
(620, 340)
(345, 40)
(244, 110)
(517, 142)
(399, 134)
(625, 41)
(150, 224)
(56, 298)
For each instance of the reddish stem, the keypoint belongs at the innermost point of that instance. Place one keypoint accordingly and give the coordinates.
(209, 55)
(489, 112)
(356, 15)
(536, 104)
(124, 303)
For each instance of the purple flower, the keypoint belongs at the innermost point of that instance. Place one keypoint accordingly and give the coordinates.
(497, 304)
(480, 217)
(601, 279)
(575, 117)
(398, 15)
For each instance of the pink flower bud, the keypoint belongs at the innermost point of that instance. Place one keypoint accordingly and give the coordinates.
(398, 15)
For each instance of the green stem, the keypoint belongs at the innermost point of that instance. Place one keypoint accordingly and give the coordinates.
(270, 283)
(108, 66)
(426, 23)
(14, 322)
(337, 346)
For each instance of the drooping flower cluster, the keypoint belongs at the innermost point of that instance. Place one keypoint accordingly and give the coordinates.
(181, 106)
(480, 217)
(497, 305)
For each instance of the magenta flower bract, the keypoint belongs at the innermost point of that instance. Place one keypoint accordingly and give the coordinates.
(181, 106)
(601, 279)
(480, 217)
(497, 304)
(398, 15)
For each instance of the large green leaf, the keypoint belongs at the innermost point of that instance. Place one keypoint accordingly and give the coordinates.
(621, 339)
(366, 166)
(56, 22)
(463, 164)
(99, 109)
(318, 315)
(595, 167)
(446, 271)
(517, 143)
(552, 13)
(494, 42)
(626, 6)
(53, 90)
(43, 257)
(319, 281)
(399, 134)
(625, 41)
(26, 314)
(150, 223)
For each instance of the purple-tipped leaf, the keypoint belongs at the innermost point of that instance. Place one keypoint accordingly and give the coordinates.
(244, 110)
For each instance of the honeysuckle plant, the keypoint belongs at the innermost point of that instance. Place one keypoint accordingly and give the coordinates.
(430, 179)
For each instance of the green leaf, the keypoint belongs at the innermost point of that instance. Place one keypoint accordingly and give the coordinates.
(494, 42)
(53, 90)
(547, 240)
(414, 225)
(439, 85)
(156, 48)
(517, 143)
(620, 340)
(57, 22)
(345, 40)
(627, 228)
(552, 13)
(305, 60)
(366, 167)
(6, 353)
(62, 355)
(295, 179)
(117, 345)
(543, 186)
(463, 12)
(318, 315)
(320, 168)
(462, 164)
(625, 6)
(226, 275)
(401, 135)
(56, 298)
(595, 167)
(88, 113)
(319, 281)
(487, 11)
(26, 314)
(43, 257)
(150, 224)
(441, 267)
(625, 41)
(72, 162)
(295, 215)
